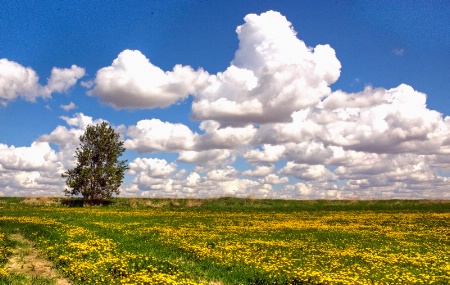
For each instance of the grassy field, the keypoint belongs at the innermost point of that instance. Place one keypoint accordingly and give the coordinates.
(232, 241)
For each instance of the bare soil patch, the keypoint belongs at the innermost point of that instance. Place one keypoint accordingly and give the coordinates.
(194, 203)
(39, 201)
(28, 261)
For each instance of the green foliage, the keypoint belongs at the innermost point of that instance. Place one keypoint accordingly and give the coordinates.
(99, 172)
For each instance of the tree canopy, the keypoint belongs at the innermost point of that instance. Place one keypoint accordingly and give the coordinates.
(98, 173)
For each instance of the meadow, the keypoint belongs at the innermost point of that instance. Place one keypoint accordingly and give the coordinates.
(233, 241)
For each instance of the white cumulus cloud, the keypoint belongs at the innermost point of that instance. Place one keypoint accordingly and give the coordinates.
(384, 121)
(152, 167)
(211, 158)
(217, 137)
(17, 81)
(30, 170)
(132, 81)
(68, 107)
(259, 171)
(155, 135)
(62, 79)
(272, 75)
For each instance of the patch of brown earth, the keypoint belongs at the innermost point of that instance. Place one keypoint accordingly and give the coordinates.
(40, 201)
(29, 261)
(194, 203)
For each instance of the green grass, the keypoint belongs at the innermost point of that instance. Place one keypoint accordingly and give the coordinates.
(238, 241)
(18, 279)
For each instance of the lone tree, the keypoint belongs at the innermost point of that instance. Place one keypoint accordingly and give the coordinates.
(99, 172)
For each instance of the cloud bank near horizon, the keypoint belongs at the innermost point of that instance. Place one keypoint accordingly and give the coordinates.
(269, 126)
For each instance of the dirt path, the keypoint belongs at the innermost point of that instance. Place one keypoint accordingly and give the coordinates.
(26, 260)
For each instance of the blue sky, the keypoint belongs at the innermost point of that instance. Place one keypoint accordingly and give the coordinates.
(306, 99)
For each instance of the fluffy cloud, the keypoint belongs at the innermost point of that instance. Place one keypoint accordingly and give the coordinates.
(307, 172)
(316, 190)
(155, 135)
(152, 167)
(62, 79)
(81, 121)
(385, 121)
(306, 125)
(272, 75)
(209, 158)
(30, 170)
(259, 171)
(19, 81)
(310, 152)
(39, 156)
(68, 107)
(198, 186)
(274, 179)
(151, 175)
(269, 153)
(381, 170)
(227, 174)
(132, 81)
(16, 80)
(228, 137)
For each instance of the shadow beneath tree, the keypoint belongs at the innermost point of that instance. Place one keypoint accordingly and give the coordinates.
(79, 202)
